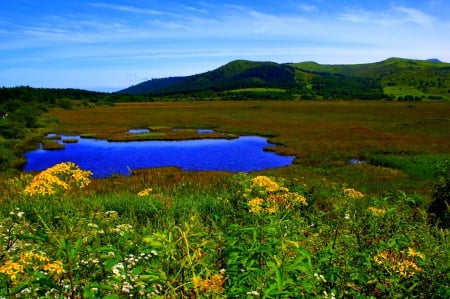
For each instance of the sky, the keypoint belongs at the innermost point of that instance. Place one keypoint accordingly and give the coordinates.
(108, 45)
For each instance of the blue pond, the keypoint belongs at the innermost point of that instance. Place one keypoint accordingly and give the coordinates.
(106, 158)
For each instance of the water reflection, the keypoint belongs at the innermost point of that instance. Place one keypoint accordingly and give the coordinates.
(106, 158)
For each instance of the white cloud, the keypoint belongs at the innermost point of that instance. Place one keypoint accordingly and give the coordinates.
(396, 15)
(415, 16)
(308, 7)
(127, 8)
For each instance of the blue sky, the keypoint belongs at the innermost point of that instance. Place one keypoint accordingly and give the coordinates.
(111, 44)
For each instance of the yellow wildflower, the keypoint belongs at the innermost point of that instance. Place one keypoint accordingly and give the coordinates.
(210, 285)
(54, 268)
(399, 262)
(376, 211)
(271, 197)
(255, 205)
(145, 192)
(413, 253)
(56, 178)
(267, 184)
(352, 193)
(298, 199)
(12, 269)
(28, 258)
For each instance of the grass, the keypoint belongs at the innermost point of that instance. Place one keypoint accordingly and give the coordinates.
(322, 135)
(258, 89)
(52, 145)
(320, 228)
(164, 233)
(401, 91)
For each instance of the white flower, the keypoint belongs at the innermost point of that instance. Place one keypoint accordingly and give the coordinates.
(253, 293)
(116, 271)
(347, 216)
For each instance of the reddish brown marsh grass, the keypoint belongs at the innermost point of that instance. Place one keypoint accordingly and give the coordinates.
(318, 133)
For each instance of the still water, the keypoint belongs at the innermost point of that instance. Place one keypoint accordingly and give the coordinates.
(105, 158)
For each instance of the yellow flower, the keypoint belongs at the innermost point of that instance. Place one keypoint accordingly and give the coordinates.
(398, 262)
(145, 192)
(271, 197)
(413, 253)
(255, 205)
(298, 199)
(376, 211)
(266, 184)
(211, 285)
(352, 193)
(54, 268)
(58, 178)
(12, 269)
(29, 258)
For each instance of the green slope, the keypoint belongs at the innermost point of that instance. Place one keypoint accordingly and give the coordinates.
(398, 77)
(394, 78)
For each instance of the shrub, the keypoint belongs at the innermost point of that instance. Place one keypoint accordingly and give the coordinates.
(439, 208)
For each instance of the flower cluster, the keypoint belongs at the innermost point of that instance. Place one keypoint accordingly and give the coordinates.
(375, 211)
(122, 229)
(145, 192)
(210, 285)
(402, 262)
(31, 262)
(267, 184)
(58, 177)
(269, 196)
(352, 193)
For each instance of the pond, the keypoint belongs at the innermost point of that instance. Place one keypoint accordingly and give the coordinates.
(105, 158)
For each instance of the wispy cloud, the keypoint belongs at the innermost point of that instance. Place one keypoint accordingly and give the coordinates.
(395, 15)
(415, 16)
(127, 8)
(196, 9)
(308, 7)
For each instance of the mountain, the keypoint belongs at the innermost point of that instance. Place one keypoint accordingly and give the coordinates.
(394, 78)
(236, 74)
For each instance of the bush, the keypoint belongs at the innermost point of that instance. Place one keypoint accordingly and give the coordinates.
(440, 206)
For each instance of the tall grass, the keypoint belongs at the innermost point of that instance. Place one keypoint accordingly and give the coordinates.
(241, 235)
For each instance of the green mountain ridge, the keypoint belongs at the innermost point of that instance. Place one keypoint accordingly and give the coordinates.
(394, 78)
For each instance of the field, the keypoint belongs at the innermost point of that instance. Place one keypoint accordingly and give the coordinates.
(321, 228)
(323, 136)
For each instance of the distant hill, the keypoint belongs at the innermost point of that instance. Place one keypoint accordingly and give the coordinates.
(393, 78)
(236, 74)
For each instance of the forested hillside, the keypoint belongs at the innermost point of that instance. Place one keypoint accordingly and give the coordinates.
(393, 79)
(20, 114)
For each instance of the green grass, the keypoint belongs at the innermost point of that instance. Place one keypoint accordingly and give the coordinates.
(401, 91)
(260, 89)
(422, 166)
(192, 235)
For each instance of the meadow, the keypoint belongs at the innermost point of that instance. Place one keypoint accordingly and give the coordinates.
(322, 135)
(321, 228)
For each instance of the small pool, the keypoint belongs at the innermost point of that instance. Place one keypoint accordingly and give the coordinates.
(138, 131)
(205, 131)
(105, 158)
